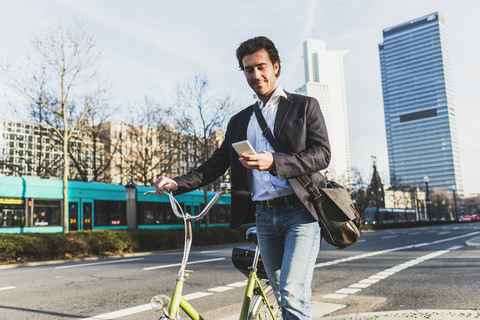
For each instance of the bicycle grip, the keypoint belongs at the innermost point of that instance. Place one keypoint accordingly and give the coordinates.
(242, 193)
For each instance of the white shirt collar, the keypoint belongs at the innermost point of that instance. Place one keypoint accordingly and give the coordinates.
(279, 92)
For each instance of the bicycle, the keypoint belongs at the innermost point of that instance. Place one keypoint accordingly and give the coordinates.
(259, 301)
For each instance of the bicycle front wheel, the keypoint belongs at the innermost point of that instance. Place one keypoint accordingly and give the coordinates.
(259, 308)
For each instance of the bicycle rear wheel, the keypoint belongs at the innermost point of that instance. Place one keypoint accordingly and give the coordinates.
(259, 308)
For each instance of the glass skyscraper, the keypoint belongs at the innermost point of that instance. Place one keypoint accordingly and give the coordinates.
(419, 108)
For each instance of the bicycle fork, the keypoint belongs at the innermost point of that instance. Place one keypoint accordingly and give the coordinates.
(162, 302)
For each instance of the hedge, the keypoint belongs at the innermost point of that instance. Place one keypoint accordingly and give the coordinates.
(25, 247)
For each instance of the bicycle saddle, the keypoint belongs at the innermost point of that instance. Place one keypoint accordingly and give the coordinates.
(252, 235)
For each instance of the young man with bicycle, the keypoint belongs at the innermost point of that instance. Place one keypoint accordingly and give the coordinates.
(287, 227)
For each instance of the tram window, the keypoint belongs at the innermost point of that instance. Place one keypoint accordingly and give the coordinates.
(150, 213)
(220, 214)
(109, 213)
(12, 217)
(12, 212)
(170, 217)
(155, 213)
(46, 213)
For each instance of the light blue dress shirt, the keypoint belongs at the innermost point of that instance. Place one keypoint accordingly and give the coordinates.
(264, 185)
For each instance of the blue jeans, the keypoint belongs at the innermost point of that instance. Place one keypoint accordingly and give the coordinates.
(289, 240)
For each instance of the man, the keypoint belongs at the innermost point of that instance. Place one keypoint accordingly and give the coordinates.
(287, 227)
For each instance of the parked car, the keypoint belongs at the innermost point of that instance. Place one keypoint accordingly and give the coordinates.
(465, 218)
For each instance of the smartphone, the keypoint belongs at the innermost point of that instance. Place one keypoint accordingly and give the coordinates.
(243, 147)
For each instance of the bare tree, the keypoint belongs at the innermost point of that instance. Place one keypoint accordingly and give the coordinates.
(360, 194)
(45, 160)
(201, 114)
(61, 77)
(92, 153)
(441, 200)
(152, 144)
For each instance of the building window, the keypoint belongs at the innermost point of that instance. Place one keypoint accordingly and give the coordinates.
(418, 115)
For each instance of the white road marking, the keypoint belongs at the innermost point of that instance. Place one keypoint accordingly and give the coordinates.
(368, 281)
(388, 237)
(347, 291)
(335, 296)
(178, 264)
(214, 251)
(220, 289)
(7, 288)
(121, 313)
(378, 277)
(238, 284)
(360, 285)
(444, 232)
(97, 263)
(356, 287)
(197, 295)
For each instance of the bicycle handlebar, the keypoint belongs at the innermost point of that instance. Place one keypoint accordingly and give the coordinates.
(178, 211)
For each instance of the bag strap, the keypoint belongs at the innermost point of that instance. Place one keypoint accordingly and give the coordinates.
(304, 180)
(266, 132)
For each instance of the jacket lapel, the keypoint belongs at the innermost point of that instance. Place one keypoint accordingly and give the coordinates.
(283, 107)
(243, 120)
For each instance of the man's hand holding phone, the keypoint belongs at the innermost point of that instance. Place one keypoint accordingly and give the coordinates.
(262, 161)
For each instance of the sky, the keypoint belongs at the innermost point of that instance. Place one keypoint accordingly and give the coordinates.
(150, 46)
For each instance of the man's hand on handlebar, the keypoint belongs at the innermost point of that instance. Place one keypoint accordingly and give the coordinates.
(163, 184)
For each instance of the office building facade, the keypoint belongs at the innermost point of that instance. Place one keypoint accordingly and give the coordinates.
(418, 102)
(120, 154)
(325, 81)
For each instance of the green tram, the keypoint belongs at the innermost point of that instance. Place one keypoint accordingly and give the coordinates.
(29, 204)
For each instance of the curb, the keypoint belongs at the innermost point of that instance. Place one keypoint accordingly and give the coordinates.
(95, 258)
(409, 314)
(475, 242)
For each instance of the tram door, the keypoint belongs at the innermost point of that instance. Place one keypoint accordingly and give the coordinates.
(193, 209)
(73, 216)
(87, 214)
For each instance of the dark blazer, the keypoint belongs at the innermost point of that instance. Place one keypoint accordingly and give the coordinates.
(301, 131)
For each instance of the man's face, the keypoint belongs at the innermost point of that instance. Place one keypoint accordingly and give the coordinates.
(260, 73)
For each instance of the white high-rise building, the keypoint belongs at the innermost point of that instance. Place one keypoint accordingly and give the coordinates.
(325, 81)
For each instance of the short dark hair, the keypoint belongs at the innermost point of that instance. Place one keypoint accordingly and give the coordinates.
(253, 45)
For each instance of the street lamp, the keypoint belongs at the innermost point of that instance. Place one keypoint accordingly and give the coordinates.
(427, 198)
(454, 188)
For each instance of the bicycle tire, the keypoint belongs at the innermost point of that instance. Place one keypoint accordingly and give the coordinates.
(259, 309)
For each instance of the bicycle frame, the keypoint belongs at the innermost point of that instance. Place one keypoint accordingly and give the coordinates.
(253, 282)
(171, 306)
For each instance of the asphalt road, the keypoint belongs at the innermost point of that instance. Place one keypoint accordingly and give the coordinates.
(388, 270)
